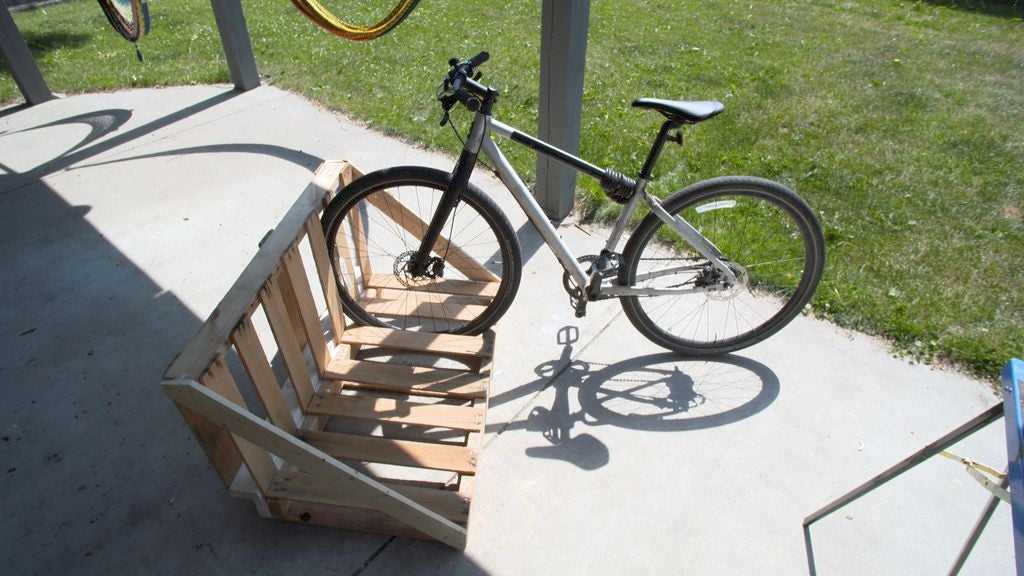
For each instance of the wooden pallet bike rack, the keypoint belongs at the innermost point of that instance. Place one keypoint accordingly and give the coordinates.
(353, 427)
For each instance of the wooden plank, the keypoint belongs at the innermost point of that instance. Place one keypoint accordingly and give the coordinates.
(214, 332)
(434, 456)
(398, 378)
(296, 485)
(344, 252)
(455, 255)
(398, 411)
(291, 307)
(454, 287)
(325, 274)
(254, 360)
(296, 273)
(393, 304)
(287, 345)
(217, 443)
(315, 462)
(347, 518)
(257, 460)
(475, 439)
(362, 253)
(444, 344)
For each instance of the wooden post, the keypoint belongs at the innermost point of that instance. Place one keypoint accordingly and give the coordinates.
(234, 36)
(563, 54)
(20, 62)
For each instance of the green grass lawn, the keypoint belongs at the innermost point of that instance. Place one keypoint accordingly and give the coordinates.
(901, 122)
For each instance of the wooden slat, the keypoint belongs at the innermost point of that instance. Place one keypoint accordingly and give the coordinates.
(288, 346)
(217, 443)
(257, 460)
(453, 287)
(359, 246)
(325, 273)
(291, 307)
(403, 379)
(475, 439)
(343, 255)
(346, 518)
(412, 223)
(398, 411)
(314, 462)
(254, 359)
(394, 304)
(445, 344)
(296, 485)
(296, 274)
(398, 452)
(202, 349)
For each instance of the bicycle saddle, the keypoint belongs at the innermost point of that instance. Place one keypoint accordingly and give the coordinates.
(681, 111)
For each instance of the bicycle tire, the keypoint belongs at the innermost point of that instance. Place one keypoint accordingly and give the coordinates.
(778, 266)
(375, 223)
(325, 19)
(129, 17)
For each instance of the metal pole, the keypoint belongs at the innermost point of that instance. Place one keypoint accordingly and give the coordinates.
(20, 62)
(563, 55)
(234, 36)
(975, 424)
(979, 526)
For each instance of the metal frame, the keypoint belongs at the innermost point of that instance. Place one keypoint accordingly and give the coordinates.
(479, 140)
(935, 448)
(1013, 378)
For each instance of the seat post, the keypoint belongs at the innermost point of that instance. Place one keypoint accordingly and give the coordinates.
(657, 147)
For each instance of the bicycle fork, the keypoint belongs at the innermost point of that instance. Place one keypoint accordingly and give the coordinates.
(421, 264)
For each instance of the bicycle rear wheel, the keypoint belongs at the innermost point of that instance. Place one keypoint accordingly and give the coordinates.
(771, 241)
(374, 226)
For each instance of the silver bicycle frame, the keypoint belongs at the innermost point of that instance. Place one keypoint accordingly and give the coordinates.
(479, 138)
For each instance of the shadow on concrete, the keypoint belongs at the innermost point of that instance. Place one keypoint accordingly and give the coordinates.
(99, 471)
(658, 393)
(101, 123)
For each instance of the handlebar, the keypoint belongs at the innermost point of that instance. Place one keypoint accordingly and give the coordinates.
(461, 87)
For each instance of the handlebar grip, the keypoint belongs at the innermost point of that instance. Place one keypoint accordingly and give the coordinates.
(479, 59)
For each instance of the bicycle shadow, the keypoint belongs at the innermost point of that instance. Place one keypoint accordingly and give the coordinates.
(661, 392)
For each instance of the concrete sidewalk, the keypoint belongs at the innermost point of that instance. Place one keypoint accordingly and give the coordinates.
(126, 217)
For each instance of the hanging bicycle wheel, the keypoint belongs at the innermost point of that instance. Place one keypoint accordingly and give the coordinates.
(129, 17)
(364, 20)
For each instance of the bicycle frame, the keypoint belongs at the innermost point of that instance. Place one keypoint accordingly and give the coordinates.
(479, 140)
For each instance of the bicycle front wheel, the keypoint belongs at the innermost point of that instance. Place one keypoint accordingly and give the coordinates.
(769, 238)
(374, 226)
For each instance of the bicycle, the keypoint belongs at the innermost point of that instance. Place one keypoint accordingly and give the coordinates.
(715, 267)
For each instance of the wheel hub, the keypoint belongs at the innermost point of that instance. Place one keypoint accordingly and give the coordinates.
(404, 270)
